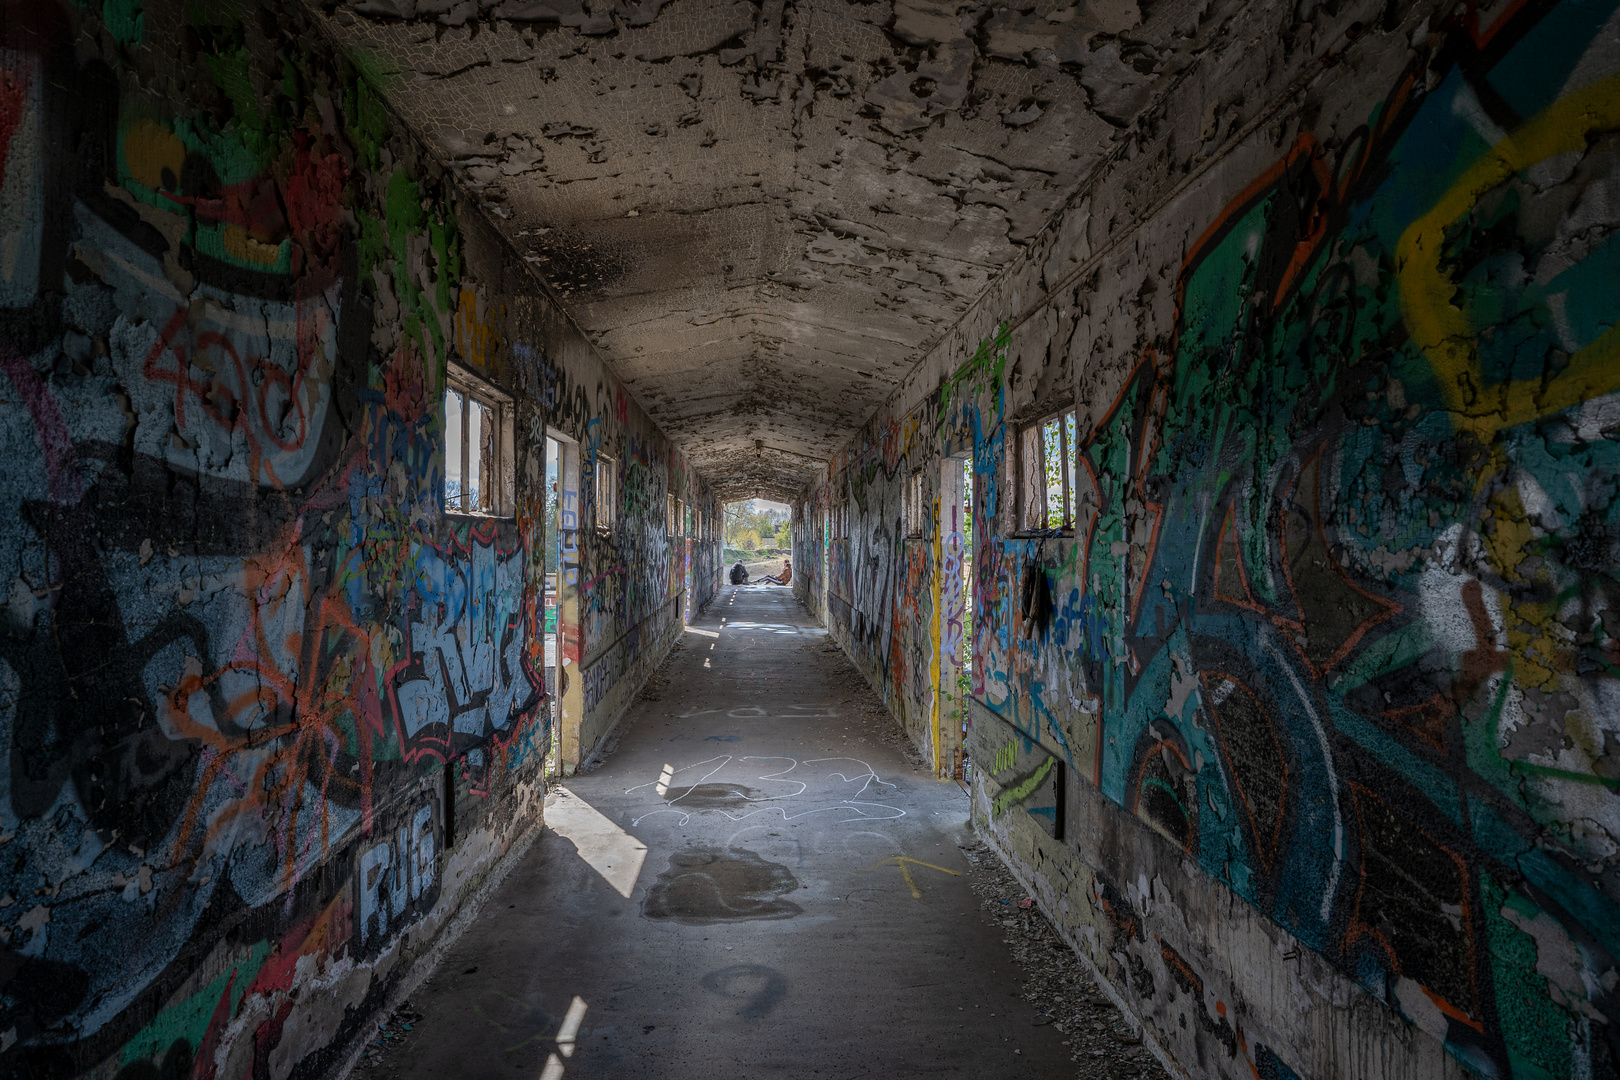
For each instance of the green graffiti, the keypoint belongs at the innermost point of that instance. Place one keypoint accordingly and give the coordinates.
(366, 115)
(229, 70)
(189, 1019)
(1534, 1029)
(982, 370)
(1023, 789)
(1006, 757)
(426, 314)
(124, 20)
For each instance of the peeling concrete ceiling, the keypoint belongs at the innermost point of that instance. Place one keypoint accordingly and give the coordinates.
(763, 214)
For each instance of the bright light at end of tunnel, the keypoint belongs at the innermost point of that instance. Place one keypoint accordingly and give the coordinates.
(608, 849)
(664, 778)
(567, 1036)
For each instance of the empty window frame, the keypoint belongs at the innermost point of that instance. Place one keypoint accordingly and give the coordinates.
(1046, 463)
(607, 491)
(478, 452)
(914, 500)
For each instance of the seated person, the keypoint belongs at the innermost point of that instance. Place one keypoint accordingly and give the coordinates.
(739, 574)
(786, 575)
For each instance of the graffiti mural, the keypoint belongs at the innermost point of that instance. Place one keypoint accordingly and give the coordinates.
(245, 659)
(467, 671)
(881, 581)
(1335, 616)
(1023, 775)
(1368, 589)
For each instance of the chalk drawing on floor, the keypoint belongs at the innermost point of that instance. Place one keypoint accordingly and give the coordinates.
(704, 794)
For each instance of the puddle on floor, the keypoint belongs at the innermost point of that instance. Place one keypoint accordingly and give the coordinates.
(711, 796)
(707, 885)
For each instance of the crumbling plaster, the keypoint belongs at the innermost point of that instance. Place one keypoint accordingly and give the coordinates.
(765, 214)
(1345, 452)
(270, 711)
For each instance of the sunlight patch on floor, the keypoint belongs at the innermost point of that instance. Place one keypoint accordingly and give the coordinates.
(609, 850)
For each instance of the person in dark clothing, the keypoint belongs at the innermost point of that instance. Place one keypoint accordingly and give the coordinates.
(739, 574)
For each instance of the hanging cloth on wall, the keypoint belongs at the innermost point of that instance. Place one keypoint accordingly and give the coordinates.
(1037, 598)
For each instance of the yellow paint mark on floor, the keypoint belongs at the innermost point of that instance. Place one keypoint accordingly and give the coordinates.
(905, 870)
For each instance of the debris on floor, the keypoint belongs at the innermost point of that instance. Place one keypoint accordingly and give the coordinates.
(1058, 985)
(388, 1039)
(653, 689)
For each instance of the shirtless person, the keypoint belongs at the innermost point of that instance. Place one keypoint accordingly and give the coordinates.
(786, 576)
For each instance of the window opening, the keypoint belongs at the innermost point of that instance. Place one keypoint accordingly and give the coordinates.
(1046, 454)
(607, 494)
(916, 488)
(478, 447)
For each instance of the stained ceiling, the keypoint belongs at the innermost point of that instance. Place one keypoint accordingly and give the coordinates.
(764, 214)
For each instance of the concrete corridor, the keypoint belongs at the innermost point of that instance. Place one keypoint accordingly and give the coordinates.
(733, 894)
(1197, 423)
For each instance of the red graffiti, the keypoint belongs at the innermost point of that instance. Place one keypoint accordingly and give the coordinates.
(61, 463)
(14, 86)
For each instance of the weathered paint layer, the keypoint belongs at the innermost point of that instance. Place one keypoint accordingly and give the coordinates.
(269, 713)
(1332, 635)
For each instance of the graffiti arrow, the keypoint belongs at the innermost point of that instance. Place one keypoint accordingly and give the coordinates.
(905, 871)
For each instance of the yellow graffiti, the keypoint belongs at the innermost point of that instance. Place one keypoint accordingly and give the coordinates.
(476, 339)
(1533, 632)
(238, 244)
(905, 870)
(1441, 329)
(150, 150)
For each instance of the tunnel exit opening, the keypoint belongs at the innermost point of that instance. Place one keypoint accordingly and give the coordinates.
(758, 534)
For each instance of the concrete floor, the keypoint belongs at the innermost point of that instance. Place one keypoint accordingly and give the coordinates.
(756, 883)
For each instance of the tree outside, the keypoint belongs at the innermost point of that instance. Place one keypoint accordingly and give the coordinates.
(754, 524)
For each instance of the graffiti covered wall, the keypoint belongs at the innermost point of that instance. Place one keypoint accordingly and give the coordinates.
(269, 713)
(809, 532)
(880, 592)
(635, 565)
(1331, 634)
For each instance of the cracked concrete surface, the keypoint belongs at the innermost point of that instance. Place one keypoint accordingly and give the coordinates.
(759, 881)
(765, 214)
